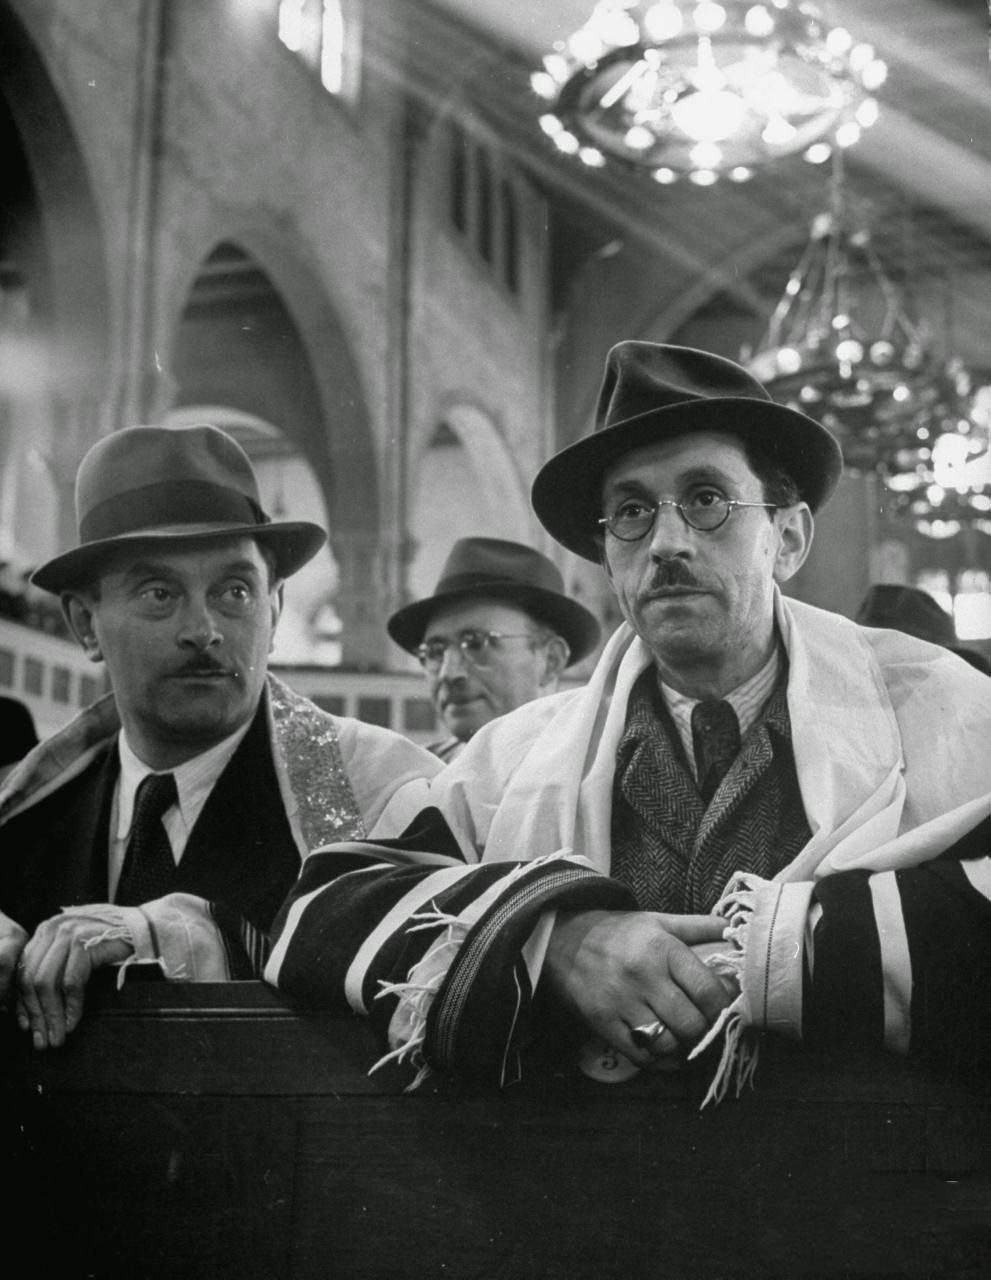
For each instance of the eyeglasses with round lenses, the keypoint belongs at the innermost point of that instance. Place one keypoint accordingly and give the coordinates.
(706, 511)
(473, 644)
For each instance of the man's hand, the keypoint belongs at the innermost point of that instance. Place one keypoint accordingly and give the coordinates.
(55, 966)
(12, 940)
(619, 970)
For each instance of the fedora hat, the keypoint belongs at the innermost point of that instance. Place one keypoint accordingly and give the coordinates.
(144, 484)
(917, 613)
(908, 609)
(651, 392)
(507, 571)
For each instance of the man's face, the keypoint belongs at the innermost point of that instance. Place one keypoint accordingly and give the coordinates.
(701, 601)
(185, 631)
(469, 692)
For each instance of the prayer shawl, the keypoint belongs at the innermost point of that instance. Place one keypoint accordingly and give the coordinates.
(891, 743)
(336, 779)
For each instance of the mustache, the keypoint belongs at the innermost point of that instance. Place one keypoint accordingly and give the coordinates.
(672, 573)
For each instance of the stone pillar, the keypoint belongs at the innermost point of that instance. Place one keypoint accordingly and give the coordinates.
(410, 130)
(362, 600)
(75, 427)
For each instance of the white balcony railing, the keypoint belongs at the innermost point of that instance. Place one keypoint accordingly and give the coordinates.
(53, 678)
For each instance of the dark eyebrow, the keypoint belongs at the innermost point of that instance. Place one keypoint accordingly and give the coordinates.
(693, 476)
(159, 569)
(462, 631)
(626, 486)
(145, 569)
(707, 475)
(246, 568)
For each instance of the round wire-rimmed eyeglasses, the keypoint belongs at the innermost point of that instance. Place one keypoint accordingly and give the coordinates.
(473, 644)
(633, 520)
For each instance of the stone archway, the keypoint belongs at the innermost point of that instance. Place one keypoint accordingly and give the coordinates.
(54, 306)
(465, 483)
(247, 340)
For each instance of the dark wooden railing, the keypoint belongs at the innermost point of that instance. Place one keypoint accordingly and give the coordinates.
(208, 1131)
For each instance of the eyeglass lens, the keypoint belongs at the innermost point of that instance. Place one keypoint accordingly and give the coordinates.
(634, 520)
(472, 644)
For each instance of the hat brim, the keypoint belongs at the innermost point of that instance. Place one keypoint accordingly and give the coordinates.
(293, 544)
(568, 618)
(567, 492)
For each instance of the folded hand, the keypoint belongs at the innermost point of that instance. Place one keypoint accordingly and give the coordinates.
(622, 970)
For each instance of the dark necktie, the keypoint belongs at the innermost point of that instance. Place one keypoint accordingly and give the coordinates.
(149, 867)
(716, 741)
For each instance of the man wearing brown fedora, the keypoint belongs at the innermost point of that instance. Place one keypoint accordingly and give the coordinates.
(166, 823)
(756, 815)
(497, 632)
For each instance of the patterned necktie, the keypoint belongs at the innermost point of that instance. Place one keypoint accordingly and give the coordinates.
(149, 867)
(716, 741)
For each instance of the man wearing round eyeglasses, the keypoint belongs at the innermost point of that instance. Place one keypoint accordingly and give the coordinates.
(755, 815)
(498, 631)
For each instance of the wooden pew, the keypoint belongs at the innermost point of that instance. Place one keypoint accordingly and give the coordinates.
(209, 1131)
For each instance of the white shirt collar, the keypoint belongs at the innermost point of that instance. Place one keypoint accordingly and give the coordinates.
(746, 699)
(194, 779)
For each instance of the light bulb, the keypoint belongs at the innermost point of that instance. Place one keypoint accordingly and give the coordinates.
(758, 21)
(663, 21)
(710, 116)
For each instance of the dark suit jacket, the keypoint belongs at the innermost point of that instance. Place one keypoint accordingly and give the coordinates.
(240, 853)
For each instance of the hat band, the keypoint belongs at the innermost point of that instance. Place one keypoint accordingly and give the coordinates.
(456, 582)
(168, 502)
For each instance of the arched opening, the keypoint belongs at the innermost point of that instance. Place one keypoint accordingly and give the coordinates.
(53, 314)
(465, 484)
(241, 360)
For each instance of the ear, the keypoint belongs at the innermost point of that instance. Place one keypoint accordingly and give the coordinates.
(556, 655)
(795, 531)
(603, 558)
(78, 613)
(275, 601)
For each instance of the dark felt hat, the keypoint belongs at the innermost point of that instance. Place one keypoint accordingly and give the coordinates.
(149, 484)
(651, 392)
(908, 609)
(490, 568)
(914, 611)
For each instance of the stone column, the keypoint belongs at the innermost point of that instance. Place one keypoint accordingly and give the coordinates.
(362, 599)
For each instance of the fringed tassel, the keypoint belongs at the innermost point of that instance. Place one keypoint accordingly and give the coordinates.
(417, 993)
(738, 1060)
(408, 1027)
(120, 932)
(174, 975)
(741, 1043)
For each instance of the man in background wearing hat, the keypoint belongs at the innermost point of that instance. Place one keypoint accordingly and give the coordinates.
(917, 613)
(756, 814)
(498, 631)
(167, 822)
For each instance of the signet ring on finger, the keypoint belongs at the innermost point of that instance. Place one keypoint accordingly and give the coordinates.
(647, 1035)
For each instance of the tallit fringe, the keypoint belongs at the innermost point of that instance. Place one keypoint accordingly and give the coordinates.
(121, 933)
(738, 1060)
(741, 1040)
(426, 977)
(417, 993)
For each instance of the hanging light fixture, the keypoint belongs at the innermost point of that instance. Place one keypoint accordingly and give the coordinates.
(696, 88)
(842, 346)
